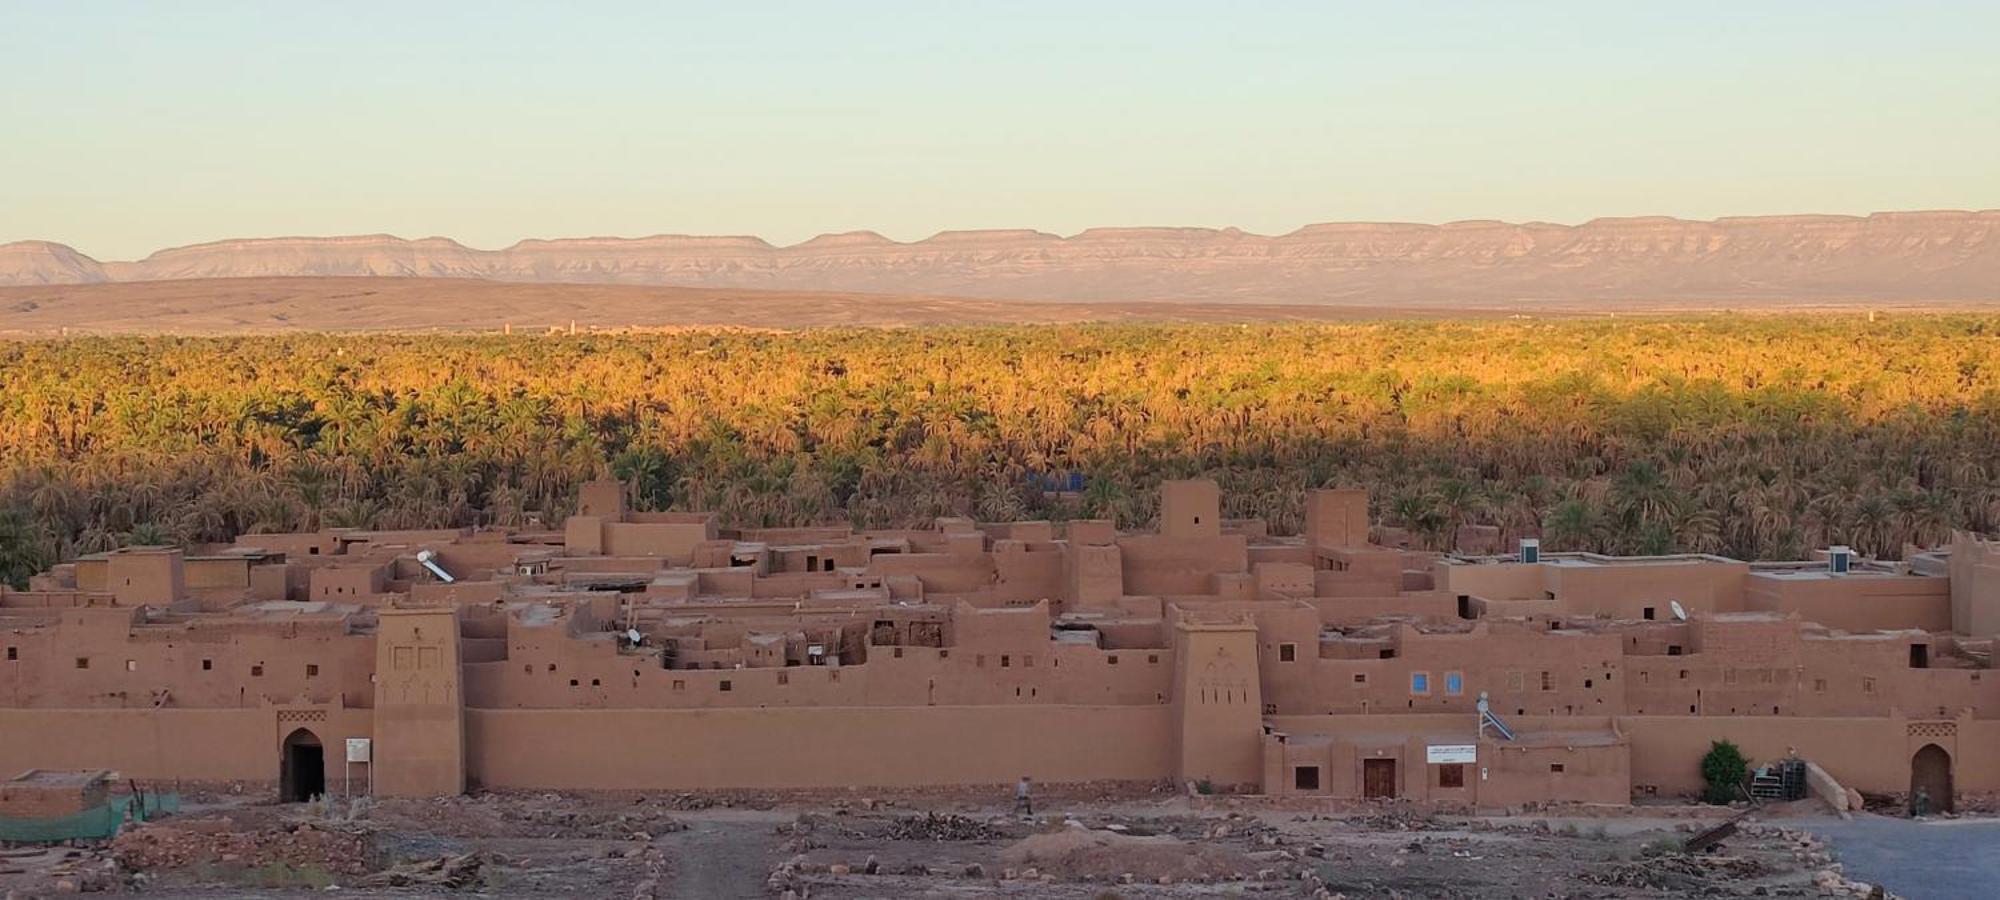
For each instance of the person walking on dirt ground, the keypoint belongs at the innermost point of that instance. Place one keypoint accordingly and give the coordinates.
(1023, 802)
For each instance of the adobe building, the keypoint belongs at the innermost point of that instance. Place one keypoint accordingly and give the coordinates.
(664, 651)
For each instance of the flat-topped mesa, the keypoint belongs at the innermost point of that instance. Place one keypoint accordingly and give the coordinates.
(658, 243)
(994, 237)
(665, 258)
(1935, 256)
(45, 262)
(349, 255)
(845, 241)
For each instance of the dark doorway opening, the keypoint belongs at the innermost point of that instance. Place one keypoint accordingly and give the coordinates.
(1378, 779)
(302, 774)
(1930, 769)
(1920, 656)
(1464, 606)
(1306, 778)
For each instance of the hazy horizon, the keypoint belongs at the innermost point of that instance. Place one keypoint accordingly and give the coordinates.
(140, 127)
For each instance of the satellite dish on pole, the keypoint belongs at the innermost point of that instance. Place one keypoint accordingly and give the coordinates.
(633, 635)
(1680, 614)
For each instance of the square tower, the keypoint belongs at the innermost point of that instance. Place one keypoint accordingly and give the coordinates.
(1190, 509)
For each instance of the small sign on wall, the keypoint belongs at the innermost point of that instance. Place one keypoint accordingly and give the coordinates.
(1451, 753)
(358, 749)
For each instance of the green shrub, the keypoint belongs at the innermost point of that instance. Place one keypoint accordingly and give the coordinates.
(1724, 770)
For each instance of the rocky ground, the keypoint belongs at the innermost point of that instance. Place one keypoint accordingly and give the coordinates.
(1091, 844)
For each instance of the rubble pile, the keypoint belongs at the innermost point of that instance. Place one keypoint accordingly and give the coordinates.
(339, 850)
(1075, 853)
(1398, 820)
(450, 872)
(1678, 873)
(639, 825)
(807, 832)
(948, 827)
(544, 815)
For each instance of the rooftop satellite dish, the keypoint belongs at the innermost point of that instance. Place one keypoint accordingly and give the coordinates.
(1680, 614)
(634, 636)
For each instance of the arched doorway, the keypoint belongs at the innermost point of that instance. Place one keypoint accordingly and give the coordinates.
(302, 768)
(1930, 769)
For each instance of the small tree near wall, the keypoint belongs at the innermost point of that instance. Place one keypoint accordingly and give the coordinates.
(1724, 769)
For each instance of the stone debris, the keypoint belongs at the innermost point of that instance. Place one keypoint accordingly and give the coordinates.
(452, 872)
(947, 827)
(343, 850)
(1677, 873)
(1074, 854)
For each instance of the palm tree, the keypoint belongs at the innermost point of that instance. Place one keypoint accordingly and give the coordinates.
(1574, 524)
(148, 534)
(24, 547)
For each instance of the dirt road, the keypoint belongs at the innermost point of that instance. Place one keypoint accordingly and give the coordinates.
(721, 855)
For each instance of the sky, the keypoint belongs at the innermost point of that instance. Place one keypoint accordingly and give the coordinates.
(128, 127)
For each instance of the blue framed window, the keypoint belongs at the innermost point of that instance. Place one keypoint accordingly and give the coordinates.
(1454, 683)
(1420, 682)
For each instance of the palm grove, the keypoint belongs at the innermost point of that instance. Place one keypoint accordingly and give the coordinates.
(1751, 437)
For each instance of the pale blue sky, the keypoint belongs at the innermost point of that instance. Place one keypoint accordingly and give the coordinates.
(133, 126)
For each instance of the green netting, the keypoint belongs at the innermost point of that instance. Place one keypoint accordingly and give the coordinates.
(95, 824)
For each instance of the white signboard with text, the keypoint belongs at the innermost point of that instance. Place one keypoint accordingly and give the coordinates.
(357, 750)
(1451, 753)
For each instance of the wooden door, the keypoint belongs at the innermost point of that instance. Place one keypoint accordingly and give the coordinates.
(1378, 778)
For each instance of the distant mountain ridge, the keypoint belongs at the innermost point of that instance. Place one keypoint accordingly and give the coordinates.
(1942, 256)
